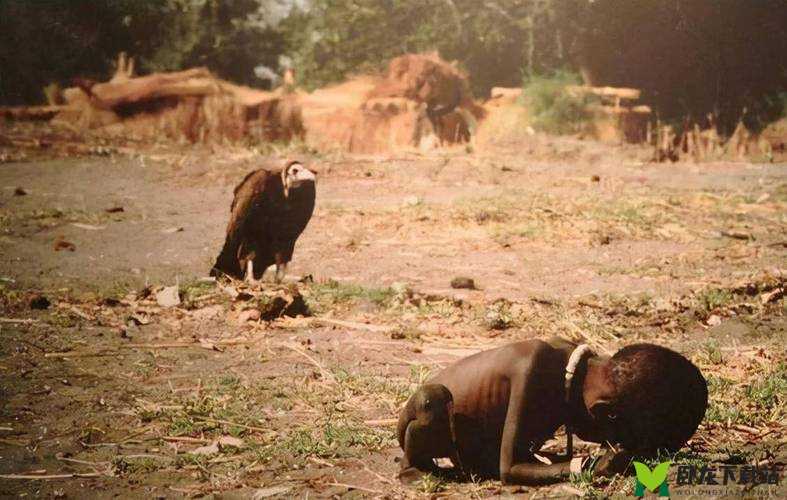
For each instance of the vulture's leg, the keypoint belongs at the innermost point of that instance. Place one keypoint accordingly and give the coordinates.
(281, 270)
(250, 272)
(281, 266)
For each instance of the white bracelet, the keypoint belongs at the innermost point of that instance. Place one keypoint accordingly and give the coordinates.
(575, 466)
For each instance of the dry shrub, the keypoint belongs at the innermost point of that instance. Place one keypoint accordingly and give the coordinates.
(698, 144)
(365, 114)
(634, 123)
(81, 113)
(394, 114)
(220, 117)
(330, 129)
(457, 127)
(280, 120)
(330, 114)
(506, 121)
(383, 131)
(775, 135)
(622, 124)
(189, 105)
(425, 78)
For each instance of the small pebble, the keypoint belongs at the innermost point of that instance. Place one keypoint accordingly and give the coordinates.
(38, 301)
(463, 282)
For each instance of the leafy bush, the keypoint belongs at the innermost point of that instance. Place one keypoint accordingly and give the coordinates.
(553, 109)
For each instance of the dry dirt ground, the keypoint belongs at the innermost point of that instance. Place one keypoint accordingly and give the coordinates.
(105, 392)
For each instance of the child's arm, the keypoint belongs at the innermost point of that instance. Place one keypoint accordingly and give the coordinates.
(522, 397)
(533, 473)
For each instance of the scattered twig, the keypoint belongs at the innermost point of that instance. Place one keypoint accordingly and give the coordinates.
(382, 422)
(80, 354)
(175, 345)
(572, 491)
(376, 474)
(16, 321)
(12, 443)
(320, 461)
(737, 235)
(328, 376)
(166, 345)
(79, 313)
(746, 428)
(51, 476)
(185, 439)
(208, 296)
(146, 455)
(353, 325)
(189, 491)
(354, 487)
(82, 462)
(227, 422)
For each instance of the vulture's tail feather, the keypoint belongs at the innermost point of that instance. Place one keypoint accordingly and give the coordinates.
(227, 261)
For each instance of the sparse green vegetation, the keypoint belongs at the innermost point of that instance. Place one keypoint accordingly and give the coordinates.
(46, 213)
(340, 439)
(499, 316)
(333, 292)
(9, 297)
(504, 234)
(714, 298)
(144, 368)
(770, 392)
(554, 109)
(762, 400)
(382, 388)
(712, 352)
(640, 215)
(193, 290)
(123, 465)
(584, 481)
(430, 484)
(407, 333)
(419, 374)
(64, 319)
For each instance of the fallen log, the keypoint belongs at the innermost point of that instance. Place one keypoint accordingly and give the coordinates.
(30, 113)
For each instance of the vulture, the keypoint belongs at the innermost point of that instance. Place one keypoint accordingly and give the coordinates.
(269, 211)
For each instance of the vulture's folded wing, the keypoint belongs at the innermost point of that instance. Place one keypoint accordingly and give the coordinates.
(249, 211)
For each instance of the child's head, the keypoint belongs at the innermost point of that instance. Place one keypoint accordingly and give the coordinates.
(657, 398)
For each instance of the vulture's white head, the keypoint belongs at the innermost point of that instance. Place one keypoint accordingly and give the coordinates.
(296, 175)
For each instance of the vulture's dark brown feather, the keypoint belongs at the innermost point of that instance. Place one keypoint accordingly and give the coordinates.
(265, 221)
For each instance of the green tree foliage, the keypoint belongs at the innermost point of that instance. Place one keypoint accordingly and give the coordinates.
(690, 57)
(552, 109)
(220, 34)
(42, 41)
(490, 39)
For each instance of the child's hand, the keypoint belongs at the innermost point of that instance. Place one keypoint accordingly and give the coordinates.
(612, 463)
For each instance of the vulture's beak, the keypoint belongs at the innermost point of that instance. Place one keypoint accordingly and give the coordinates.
(303, 175)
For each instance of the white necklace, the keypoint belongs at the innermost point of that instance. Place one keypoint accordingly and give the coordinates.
(571, 367)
